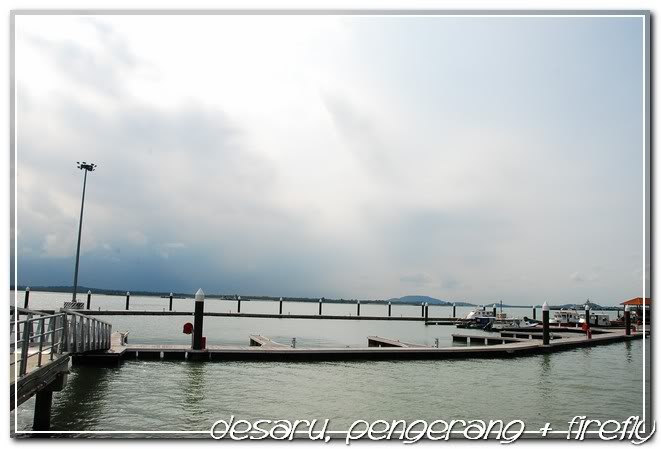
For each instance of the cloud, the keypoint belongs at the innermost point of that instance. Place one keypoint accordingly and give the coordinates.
(323, 157)
(416, 279)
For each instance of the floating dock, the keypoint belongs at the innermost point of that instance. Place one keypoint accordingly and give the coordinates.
(261, 348)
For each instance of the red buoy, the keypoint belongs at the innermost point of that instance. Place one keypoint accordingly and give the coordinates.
(188, 328)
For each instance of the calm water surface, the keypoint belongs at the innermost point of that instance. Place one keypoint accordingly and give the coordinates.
(602, 382)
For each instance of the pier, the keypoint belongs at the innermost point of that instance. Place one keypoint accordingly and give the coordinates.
(46, 341)
(41, 346)
(260, 348)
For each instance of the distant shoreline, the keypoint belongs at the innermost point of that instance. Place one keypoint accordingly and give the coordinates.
(394, 301)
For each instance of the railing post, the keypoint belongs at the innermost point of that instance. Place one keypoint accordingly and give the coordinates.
(25, 345)
(42, 321)
(64, 344)
(74, 334)
(52, 325)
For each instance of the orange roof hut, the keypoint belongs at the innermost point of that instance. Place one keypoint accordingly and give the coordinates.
(637, 302)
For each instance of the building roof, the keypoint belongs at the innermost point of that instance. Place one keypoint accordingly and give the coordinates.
(637, 302)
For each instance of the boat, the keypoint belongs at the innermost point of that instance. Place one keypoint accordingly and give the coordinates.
(480, 312)
(597, 319)
(566, 317)
(500, 324)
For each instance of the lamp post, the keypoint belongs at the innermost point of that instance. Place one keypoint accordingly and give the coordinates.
(86, 167)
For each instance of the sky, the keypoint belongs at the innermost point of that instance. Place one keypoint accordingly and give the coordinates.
(465, 158)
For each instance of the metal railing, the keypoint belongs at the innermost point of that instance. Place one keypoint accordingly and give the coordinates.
(46, 335)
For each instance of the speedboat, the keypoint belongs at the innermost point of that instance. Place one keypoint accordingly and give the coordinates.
(511, 323)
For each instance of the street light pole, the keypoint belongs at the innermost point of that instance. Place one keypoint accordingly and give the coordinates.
(86, 167)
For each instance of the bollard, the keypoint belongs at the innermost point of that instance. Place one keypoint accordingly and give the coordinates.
(320, 307)
(534, 313)
(27, 297)
(199, 320)
(587, 319)
(89, 298)
(627, 320)
(281, 305)
(454, 310)
(358, 308)
(128, 296)
(545, 324)
(426, 311)
(170, 301)
(389, 308)
(238, 305)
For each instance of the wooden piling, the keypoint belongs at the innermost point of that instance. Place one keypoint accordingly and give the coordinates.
(426, 311)
(128, 299)
(389, 308)
(454, 310)
(27, 298)
(238, 305)
(42, 410)
(627, 320)
(534, 313)
(358, 308)
(199, 320)
(545, 325)
(89, 298)
(280, 312)
(320, 302)
(170, 301)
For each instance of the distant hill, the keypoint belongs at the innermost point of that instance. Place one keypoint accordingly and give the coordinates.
(418, 299)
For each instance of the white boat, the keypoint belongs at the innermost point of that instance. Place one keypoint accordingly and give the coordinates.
(511, 323)
(597, 319)
(479, 312)
(566, 317)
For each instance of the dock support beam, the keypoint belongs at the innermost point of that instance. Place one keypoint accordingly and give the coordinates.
(27, 298)
(545, 325)
(170, 301)
(199, 320)
(42, 408)
(627, 320)
(128, 299)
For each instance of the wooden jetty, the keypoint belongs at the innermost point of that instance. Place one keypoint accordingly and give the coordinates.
(41, 345)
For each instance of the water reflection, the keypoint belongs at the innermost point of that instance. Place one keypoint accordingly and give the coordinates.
(82, 403)
(194, 386)
(628, 356)
(545, 375)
